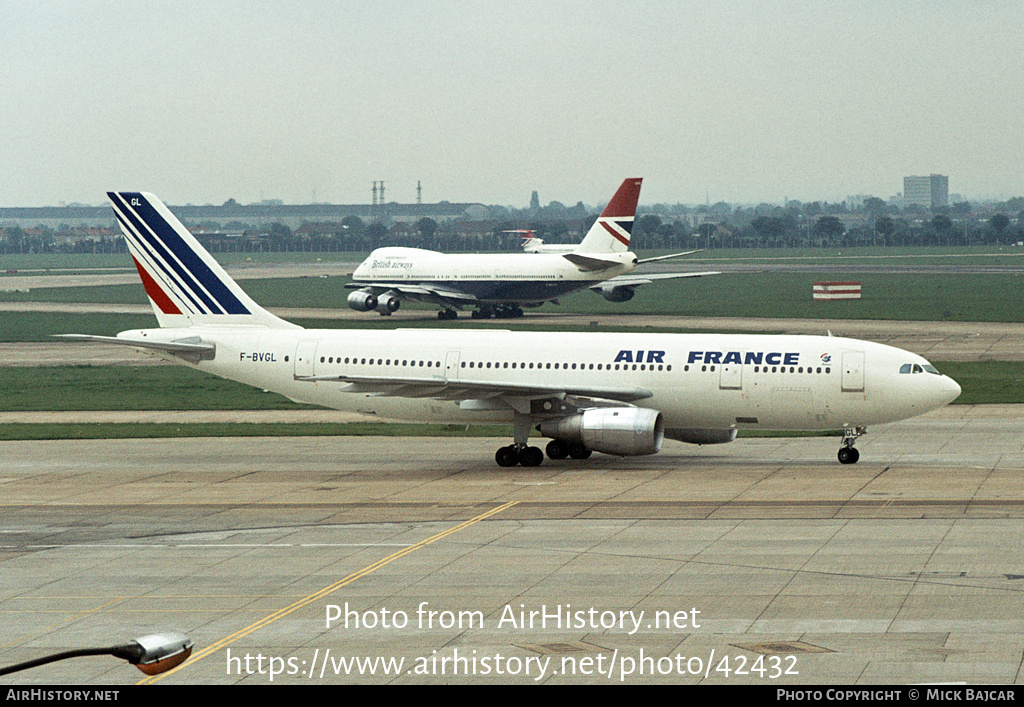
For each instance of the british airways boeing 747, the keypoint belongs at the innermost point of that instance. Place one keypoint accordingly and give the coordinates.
(501, 284)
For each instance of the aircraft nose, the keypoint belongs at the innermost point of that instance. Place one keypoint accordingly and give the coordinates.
(944, 390)
(951, 388)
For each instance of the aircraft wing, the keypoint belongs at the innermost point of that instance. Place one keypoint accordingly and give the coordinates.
(413, 290)
(513, 394)
(417, 292)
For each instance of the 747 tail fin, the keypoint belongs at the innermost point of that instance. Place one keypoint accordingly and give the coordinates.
(185, 285)
(611, 232)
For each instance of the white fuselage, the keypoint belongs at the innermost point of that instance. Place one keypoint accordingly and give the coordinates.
(497, 277)
(705, 381)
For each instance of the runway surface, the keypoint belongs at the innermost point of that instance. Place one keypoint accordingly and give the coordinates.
(763, 561)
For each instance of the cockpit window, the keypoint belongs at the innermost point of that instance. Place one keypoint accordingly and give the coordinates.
(918, 368)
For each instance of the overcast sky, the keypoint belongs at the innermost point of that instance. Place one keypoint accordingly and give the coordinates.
(727, 100)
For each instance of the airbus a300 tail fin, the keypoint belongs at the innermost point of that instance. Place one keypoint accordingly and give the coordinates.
(185, 285)
(610, 233)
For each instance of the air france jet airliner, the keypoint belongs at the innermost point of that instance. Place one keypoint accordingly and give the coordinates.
(618, 394)
(501, 284)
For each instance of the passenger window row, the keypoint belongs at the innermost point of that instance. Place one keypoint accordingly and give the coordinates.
(517, 365)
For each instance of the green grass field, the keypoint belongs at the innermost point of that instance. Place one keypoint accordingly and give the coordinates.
(941, 297)
(927, 255)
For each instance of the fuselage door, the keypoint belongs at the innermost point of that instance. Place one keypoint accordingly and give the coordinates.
(731, 376)
(304, 355)
(853, 371)
(451, 365)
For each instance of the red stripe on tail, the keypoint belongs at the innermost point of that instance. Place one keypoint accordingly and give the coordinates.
(155, 292)
(615, 234)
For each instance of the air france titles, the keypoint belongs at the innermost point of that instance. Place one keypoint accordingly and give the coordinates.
(625, 356)
(758, 358)
(773, 358)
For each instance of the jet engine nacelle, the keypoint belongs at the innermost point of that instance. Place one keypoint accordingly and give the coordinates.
(701, 436)
(387, 303)
(362, 301)
(625, 432)
(617, 294)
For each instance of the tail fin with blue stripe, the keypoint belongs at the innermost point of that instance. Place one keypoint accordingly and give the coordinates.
(185, 285)
(611, 232)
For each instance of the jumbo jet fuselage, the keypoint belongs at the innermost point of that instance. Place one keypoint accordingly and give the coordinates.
(528, 278)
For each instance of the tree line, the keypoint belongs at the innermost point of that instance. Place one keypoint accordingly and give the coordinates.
(658, 227)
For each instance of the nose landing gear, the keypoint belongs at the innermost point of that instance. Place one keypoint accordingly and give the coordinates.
(848, 454)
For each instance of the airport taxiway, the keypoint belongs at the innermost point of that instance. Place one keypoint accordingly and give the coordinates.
(763, 561)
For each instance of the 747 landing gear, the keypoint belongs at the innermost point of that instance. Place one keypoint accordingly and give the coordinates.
(498, 311)
(848, 454)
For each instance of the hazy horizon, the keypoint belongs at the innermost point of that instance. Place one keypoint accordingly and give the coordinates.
(735, 101)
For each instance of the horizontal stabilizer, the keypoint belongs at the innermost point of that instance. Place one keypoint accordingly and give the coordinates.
(190, 349)
(588, 263)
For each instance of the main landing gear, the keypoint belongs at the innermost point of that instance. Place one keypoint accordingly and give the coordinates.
(498, 311)
(519, 452)
(486, 311)
(848, 454)
(515, 454)
(532, 456)
(559, 449)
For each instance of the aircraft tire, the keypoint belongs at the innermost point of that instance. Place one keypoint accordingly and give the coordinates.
(557, 449)
(848, 455)
(531, 456)
(507, 456)
(578, 451)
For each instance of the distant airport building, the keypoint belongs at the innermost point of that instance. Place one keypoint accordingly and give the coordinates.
(930, 192)
(856, 201)
(252, 215)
